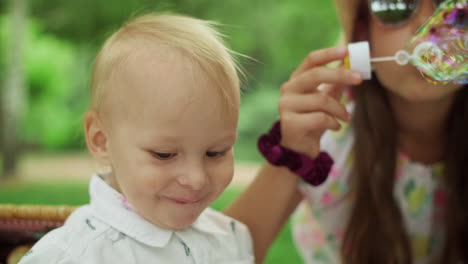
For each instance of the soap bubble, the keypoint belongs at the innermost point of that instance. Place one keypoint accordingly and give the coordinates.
(440, 46)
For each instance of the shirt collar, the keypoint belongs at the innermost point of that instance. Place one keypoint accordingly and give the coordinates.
(113, 208)
(208, 222)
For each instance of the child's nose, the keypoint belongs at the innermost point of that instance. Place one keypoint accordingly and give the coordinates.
(194, 176)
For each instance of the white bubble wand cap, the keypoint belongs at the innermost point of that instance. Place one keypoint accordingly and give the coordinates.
(358, 59)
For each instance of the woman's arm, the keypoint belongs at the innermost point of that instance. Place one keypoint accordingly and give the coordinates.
(308, 106)
(266, 205)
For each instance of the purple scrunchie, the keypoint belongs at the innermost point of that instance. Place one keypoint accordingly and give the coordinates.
(314, 171)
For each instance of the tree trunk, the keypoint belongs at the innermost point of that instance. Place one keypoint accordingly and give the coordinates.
(14, 92)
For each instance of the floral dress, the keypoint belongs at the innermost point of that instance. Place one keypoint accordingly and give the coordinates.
(320, 221)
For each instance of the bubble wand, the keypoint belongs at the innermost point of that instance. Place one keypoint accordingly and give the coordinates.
(439, 48)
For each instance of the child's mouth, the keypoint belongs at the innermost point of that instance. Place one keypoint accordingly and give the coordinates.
(183, 201)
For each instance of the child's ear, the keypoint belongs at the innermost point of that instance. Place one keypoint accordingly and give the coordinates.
(96, 138)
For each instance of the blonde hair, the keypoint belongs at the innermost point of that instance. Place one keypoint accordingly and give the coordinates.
(195, 38)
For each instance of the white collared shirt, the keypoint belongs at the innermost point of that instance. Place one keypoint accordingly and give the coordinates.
(109, 231)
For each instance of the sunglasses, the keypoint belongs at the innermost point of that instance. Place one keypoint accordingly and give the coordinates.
(395, 12)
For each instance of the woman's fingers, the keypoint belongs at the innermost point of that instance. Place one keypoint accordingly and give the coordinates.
(333, 90)
(321, 57)
(309, 103)
(302, 132)
(308, 81)
(316, 102)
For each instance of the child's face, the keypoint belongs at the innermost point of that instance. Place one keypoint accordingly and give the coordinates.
(404, 81)
(169, 138)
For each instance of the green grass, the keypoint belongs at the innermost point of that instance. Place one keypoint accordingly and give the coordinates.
(66, 193)
(49, 193)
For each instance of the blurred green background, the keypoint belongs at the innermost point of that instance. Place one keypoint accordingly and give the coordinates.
(46, 53)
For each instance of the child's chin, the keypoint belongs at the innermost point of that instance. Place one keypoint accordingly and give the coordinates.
(182, 223)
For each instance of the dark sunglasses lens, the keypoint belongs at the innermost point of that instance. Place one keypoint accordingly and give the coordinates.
(392, 12)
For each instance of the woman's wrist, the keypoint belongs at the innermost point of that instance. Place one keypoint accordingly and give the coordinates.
(314, 171)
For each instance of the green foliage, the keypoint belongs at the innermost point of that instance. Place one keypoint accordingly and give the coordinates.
(258, 112)
(277, 33)
(54, 105)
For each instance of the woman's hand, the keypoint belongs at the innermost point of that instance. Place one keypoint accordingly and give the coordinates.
(307, 108)
(309, 102)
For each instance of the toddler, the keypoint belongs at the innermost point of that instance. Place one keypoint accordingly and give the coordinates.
(163, 117)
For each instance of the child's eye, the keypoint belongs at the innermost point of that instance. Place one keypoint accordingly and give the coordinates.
(214, 154)
(164, 156)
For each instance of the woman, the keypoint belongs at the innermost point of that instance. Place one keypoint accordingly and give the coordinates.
(397, 192)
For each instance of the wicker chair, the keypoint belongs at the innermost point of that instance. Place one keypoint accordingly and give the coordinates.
(23, 225)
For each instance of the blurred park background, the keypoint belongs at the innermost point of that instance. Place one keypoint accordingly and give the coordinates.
(46, 53)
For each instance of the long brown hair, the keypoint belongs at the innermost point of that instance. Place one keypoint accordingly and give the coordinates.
(376, 232)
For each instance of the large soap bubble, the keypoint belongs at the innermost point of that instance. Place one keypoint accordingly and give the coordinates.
(439, 48)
